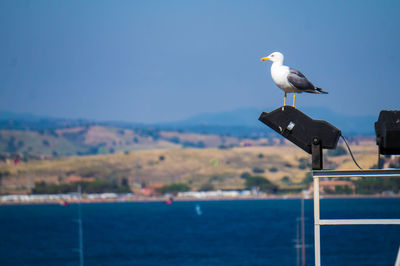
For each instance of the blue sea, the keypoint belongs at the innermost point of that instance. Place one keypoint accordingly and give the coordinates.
(253, 232)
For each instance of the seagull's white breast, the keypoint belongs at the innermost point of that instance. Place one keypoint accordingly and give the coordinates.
(279, 75)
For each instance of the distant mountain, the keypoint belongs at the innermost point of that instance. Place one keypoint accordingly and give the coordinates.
(239, 122)
(350, 125)
(5, 115)
(243, 117)
(26, 121)
(36, 135)
(248, 118)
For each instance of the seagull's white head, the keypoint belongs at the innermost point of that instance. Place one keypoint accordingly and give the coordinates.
(274, 57)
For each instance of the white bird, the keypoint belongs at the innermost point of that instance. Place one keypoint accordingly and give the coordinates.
(289, 79)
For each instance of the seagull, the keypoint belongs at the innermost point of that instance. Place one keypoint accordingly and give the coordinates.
(289, 79)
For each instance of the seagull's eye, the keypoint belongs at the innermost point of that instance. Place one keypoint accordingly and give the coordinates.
(272, 55)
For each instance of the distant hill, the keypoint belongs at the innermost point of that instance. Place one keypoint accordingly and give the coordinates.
(37, 135)
(14, 121)
(241, 122)
(81, 140)
(247, 119)
(284, 165)
(5, 115)
(243, 117)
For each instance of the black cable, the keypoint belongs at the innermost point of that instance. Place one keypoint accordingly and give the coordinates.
(348, 147)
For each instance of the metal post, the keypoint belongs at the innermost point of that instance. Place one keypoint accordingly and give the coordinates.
(81, 261)
(316, 222)
(303, 245)
(316, 154)
(397, 263)
(298, 243)
(339, 174)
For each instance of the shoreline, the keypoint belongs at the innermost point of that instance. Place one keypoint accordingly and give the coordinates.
(187, 199)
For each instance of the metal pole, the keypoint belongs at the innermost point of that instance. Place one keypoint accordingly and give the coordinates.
(358, 221)
(317, 241)
(303, 245)
(397, 263)
(388, 173)
(80, 228)
(298, 242)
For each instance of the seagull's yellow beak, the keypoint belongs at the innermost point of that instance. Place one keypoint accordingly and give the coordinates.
(264, 58)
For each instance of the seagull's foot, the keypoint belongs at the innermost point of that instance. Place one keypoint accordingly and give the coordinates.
(294, 100)
(284, 99)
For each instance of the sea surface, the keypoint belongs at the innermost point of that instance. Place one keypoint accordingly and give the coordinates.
(253, 232)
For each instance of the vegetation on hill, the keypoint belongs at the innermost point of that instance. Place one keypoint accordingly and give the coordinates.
(208, 168)
(30, 143)
(340, 150)
(98, 186)
(261, 183)
(95, 139)
(173, 188)
(377, 185)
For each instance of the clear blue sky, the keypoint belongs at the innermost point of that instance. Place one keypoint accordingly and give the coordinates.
(153, 61)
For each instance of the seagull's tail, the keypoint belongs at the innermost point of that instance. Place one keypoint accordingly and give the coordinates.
(319, 90)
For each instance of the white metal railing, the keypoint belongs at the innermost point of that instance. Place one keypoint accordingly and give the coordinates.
(337, 174)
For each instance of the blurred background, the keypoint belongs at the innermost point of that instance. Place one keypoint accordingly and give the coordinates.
(139, 101)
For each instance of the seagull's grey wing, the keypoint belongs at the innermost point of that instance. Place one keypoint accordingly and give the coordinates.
(299, 81)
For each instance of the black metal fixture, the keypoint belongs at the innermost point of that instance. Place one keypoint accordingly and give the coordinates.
(387, 130)
(310, 135)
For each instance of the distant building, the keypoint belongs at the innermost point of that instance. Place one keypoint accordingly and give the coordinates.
(248, 143)
(332, 184)
(76, 178)
(214, 194)
(149, 190)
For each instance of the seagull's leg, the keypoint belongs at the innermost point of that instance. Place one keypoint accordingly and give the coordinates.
(284, 99)
(294, 98)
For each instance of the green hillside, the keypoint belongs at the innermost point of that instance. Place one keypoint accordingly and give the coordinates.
(284, 165)
(76, 141)
(35, 143)
(91, 140)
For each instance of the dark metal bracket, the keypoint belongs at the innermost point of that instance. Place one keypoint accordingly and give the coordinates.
(316, 154)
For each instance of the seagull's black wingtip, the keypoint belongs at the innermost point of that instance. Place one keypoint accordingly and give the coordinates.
(321, 91)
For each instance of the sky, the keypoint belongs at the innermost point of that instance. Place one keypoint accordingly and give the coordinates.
(159, 61)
